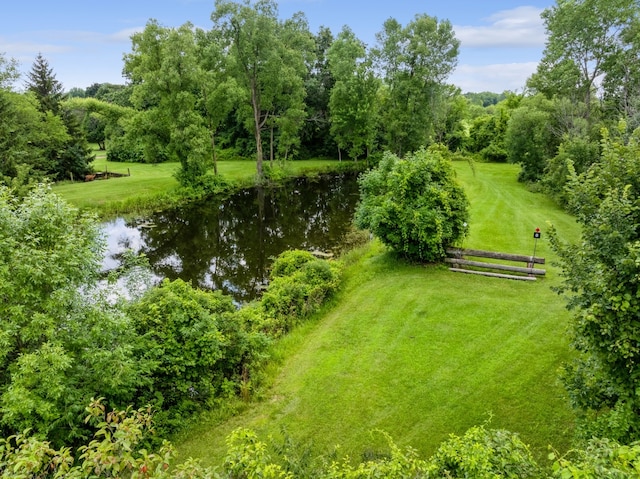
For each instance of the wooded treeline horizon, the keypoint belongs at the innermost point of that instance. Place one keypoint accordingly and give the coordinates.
(257, 86)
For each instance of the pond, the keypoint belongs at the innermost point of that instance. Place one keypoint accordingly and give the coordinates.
(229, 243)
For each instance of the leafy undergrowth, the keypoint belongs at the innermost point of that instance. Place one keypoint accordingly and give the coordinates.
(420, 352)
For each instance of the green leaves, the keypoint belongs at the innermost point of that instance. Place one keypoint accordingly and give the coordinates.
(601, 278)
(414, 205)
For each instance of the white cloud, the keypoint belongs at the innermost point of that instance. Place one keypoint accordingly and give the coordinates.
(124, 35)
(518, 27)
(494, 78)
(20, 48)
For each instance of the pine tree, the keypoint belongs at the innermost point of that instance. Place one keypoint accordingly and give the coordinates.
(74, 156)
(42, 81)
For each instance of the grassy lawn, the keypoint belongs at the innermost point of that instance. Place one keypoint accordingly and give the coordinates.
(147, 180)
(420, 352)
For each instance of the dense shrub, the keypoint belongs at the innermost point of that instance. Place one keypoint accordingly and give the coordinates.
(299, 285)
(414, 205)
(120, 151)
(196, 346)
(484, 453)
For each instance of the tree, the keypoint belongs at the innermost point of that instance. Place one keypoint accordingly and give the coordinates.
(415, 61)
(56, 340)
(587, 39)
(220, 92)
(167, 79)
(352, 103)
(414, 205)
(74, 156)
(43, 83)
(316, 134)
(31, 141)
(267, 59)
(601, 283)
(529, 141)
(9, 72)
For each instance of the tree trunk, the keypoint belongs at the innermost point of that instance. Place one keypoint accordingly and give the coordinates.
(339, 154)
(215, 156)
(271, 148)
(257, 125)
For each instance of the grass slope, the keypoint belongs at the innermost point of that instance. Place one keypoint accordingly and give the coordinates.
(420, 352)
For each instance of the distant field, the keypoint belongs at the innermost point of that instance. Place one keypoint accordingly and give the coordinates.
(147, 180)
(421, 352)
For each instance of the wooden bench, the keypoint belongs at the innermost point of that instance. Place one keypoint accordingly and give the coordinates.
(461, 265)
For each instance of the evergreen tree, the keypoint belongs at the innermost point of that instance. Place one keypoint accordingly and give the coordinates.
(73, 157)
(42, 81)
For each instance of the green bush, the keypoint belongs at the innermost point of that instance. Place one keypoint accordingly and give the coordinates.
(119, 151)
(484, 453)
(196, 347)
(414, 205)
(300, 283)
(290, 262)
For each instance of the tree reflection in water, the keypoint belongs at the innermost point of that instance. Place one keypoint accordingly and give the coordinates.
(229, 243)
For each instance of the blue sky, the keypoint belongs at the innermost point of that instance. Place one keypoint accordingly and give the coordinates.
(501, 41)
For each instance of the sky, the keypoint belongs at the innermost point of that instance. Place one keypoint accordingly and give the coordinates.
(84, 41)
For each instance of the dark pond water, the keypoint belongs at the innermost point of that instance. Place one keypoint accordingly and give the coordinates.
(229, 244)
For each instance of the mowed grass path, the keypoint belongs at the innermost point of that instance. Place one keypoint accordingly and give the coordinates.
(421, 352)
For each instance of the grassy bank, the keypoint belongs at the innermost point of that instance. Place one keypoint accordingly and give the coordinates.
(153, 186)
(420, 352)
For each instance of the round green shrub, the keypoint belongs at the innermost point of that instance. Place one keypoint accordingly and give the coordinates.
(414, 205)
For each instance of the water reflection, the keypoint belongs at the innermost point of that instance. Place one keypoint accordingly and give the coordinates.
(229, 243)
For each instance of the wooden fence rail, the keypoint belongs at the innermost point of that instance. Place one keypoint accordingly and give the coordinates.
(460, 264)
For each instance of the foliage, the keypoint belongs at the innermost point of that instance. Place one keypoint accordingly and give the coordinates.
(43, 83)
(484, 453)
(56, 338)
(9, 72)
(122, 151)
(30, 140)
(599, 458)
(414, 205)
(72, 156)
(115, 451)
(414, 60)
(267, 60)
(166, 75)
(315, 134)
(601, 281)
(529, 142)
(194, 345)
(587, 41)
(352, 103)
(488, 130)
(299, 285)
(575, 155)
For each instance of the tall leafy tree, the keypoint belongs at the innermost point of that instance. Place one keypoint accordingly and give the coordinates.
(352, 103)
(220, 92)
(601, 281)
(587, 40)
(267, 59)
(167, 79)
(9, 72)
(415, 61)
